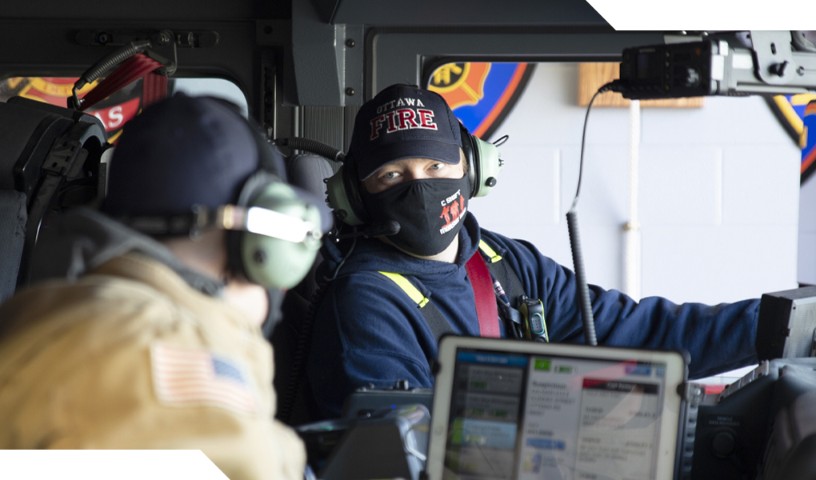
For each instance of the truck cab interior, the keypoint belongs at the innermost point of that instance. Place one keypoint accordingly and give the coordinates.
(71, 74)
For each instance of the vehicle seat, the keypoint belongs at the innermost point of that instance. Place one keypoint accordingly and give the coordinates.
(49, 160)
(13, 218)
(291, 337)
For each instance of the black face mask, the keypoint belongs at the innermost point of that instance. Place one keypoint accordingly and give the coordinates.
(430, 212)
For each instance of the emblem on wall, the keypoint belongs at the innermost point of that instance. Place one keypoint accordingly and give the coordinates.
(481, 94)
(809, 149)
(795, 112)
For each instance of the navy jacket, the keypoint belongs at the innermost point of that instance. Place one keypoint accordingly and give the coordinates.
(368, 331)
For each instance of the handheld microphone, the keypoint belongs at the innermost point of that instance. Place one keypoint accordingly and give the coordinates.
(386, 229)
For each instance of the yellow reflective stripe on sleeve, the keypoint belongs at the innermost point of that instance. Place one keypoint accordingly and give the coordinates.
(408, 288)
(492, 256)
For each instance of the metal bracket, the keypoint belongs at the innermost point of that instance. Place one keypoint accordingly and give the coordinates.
(775, 64)
(163, 43)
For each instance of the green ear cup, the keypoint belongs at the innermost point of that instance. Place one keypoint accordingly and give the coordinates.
(273, 262)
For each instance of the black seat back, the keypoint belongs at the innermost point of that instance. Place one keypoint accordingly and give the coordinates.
(291, 337)
(49, 160)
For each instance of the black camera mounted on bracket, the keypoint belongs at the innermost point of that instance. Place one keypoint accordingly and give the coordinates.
(731, 64)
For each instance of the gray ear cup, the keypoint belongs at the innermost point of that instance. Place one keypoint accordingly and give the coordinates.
(273, 262)
(343, 196)
(483, 161)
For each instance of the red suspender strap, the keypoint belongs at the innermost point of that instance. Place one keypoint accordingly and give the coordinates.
(482, 284)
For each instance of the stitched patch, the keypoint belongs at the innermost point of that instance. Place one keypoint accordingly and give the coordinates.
(194, 376)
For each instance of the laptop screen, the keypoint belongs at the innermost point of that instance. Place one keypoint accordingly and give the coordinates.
(507, 409)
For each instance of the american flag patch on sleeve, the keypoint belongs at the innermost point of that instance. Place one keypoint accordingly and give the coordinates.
(186, 376)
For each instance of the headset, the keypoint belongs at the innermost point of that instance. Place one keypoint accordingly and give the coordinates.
(273, 233)
(278, 240)
(483, 165)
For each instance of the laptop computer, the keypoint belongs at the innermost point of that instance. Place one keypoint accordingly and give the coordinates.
(510, 409)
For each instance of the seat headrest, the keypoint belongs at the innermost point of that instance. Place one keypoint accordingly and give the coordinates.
(30, 132)
(309, 170)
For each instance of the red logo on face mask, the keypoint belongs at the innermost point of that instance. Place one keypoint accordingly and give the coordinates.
(453, 209)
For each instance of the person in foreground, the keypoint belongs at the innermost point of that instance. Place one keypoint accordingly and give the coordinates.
(406, 165)
(130, 340)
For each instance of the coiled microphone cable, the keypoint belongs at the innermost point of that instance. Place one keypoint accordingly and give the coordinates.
(584, 305)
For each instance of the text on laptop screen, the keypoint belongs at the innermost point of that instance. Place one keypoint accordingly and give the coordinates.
(515, 415)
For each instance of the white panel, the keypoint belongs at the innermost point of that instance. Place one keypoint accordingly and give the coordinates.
(603, 198)
(807, 202)
(713, 265)
(680, 185)
(720, 121)
(761, 185)
(528, 189)
(807, 232)
(807, 258)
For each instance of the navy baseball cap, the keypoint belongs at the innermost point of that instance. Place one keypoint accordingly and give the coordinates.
(180, 152)
(403, 121)
(187, 151)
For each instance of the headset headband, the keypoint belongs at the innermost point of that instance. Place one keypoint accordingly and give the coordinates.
(261, 221)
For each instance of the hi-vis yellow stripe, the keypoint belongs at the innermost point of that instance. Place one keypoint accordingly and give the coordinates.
(408, 288)
(414, 292)
(492, 256)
